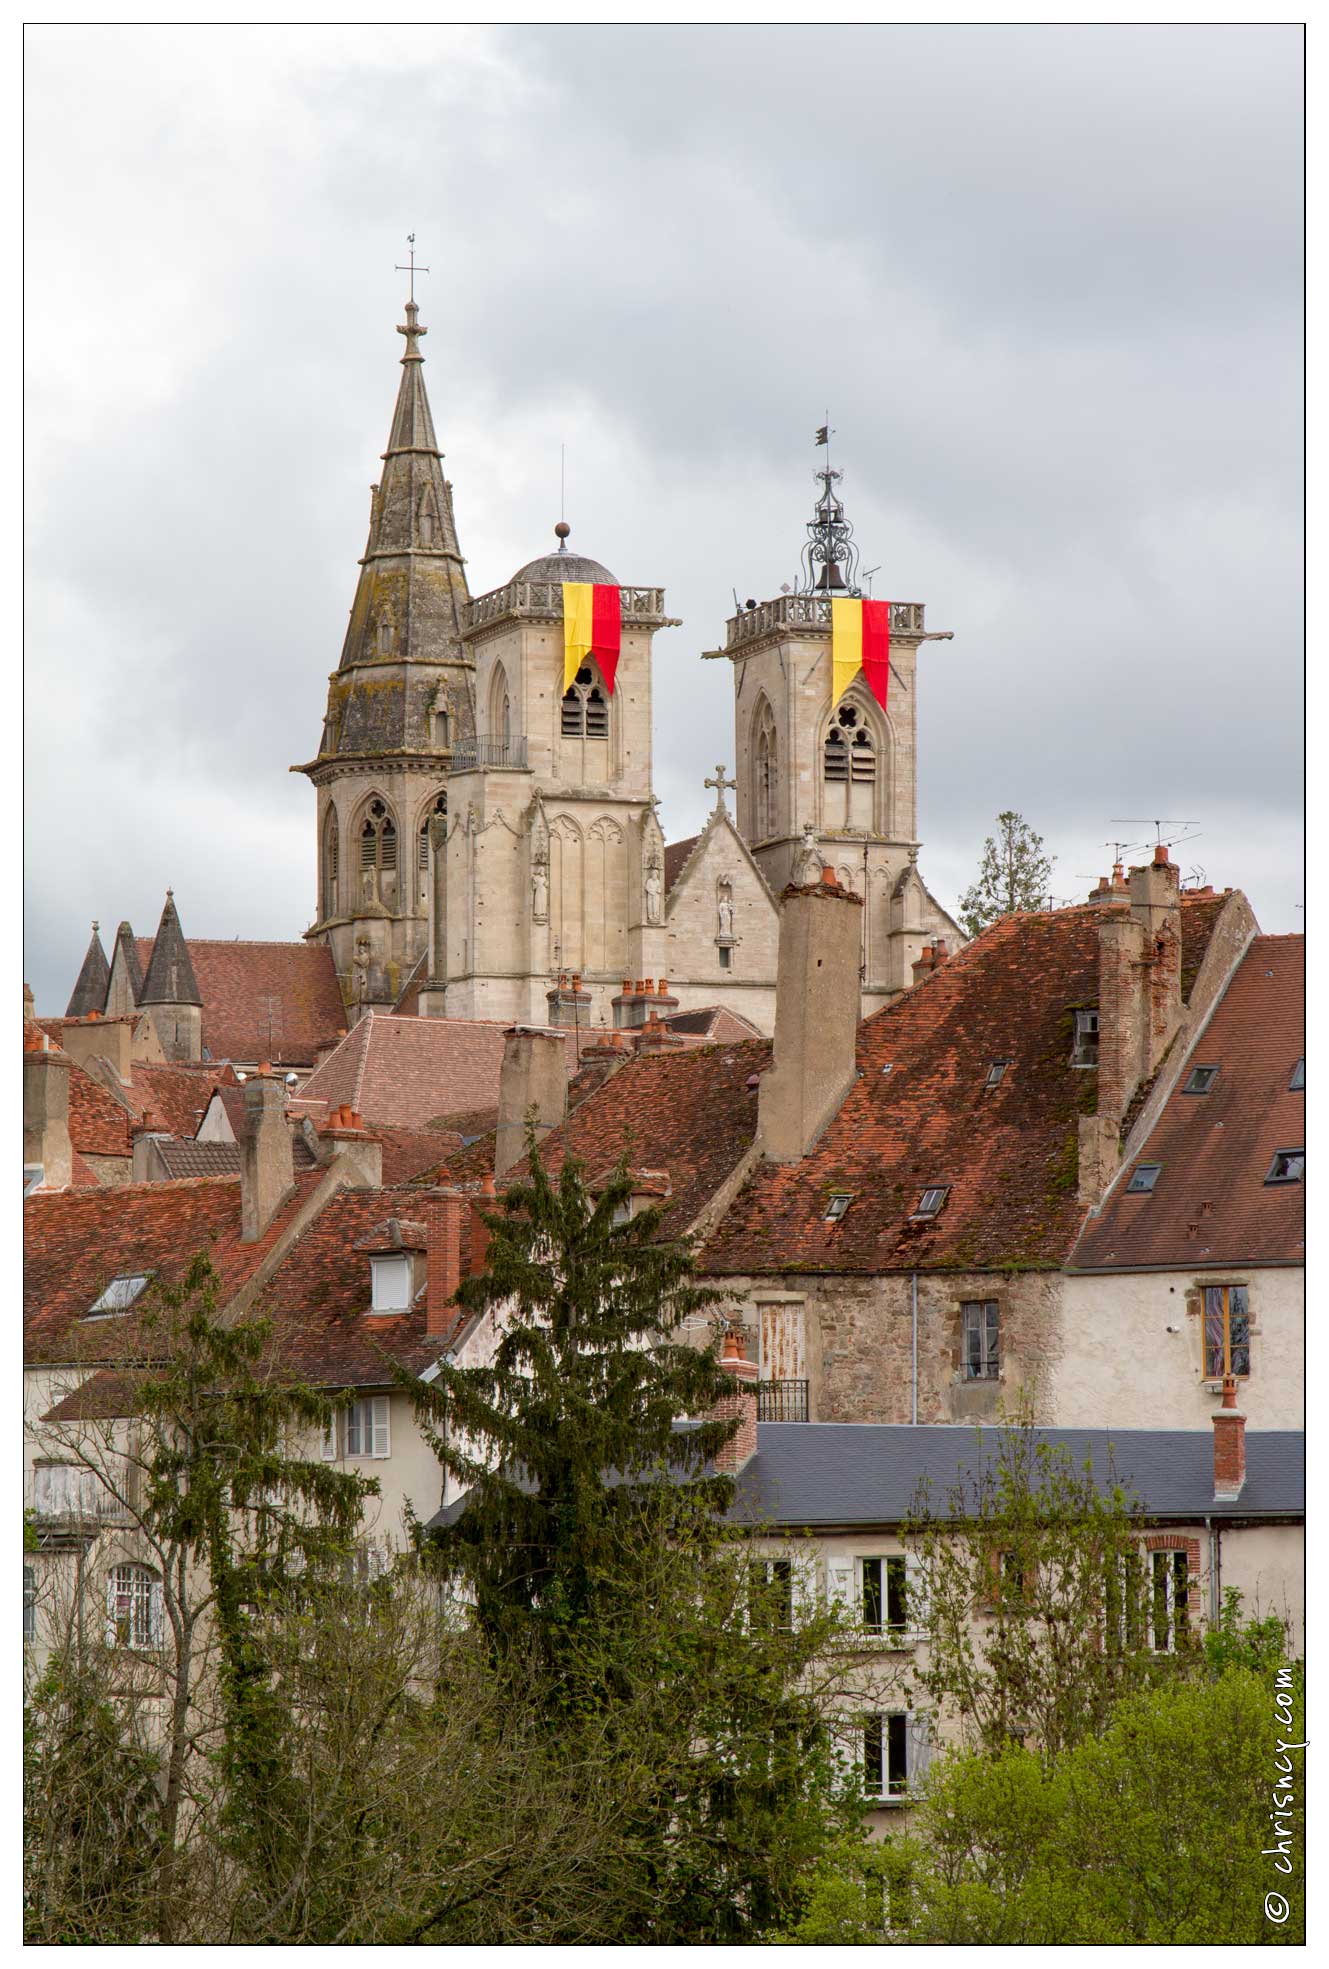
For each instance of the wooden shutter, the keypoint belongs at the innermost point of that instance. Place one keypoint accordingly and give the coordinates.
(379, 1444)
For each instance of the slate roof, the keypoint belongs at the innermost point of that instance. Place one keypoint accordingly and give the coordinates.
(675, 855)
(169, 978)
(409, 1073)
(716, 1022)
(89, 993)
(1211, 1204)
(77, 1240)
(868, 1473)
(1008, 1156)
(265, 1001)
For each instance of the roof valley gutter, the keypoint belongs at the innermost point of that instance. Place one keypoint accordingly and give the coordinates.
(913, 1338)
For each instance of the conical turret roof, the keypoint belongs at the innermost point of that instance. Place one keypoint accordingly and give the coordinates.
(89, 993)
(170, 979)
(126, 949)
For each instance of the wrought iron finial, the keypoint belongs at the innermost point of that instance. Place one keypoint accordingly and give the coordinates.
(830, 557)
(411, 328)
(411, 267)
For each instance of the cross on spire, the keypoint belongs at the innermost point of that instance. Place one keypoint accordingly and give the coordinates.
(411, 328)
(411, 269)
(721, 786)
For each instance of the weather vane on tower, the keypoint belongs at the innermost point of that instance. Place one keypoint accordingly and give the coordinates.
(411, 269)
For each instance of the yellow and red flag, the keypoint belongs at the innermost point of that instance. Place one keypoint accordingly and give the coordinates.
(860, 640)
(592, 626)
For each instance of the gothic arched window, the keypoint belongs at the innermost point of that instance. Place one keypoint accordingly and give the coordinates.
(585, 707)
(500, 705)
(765, 767)
(331, 862)
(378, 838)
(849, 761)
(440, 806)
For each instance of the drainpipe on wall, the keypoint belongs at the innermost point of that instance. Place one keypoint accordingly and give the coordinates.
(913, 1310)
(1215, 1571)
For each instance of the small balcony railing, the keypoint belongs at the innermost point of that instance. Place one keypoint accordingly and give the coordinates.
(782, 1401)
(474, 754)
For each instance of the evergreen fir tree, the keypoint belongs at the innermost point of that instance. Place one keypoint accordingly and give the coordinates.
(1014, 874)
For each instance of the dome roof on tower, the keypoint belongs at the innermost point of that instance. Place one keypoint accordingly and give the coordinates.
(563, 566)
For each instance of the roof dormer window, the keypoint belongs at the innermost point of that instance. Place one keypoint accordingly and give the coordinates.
(1201, 1080)
(996, 1073)
(1143, 1181)
(932, 1199)
(118, 1296)
(1288, 1166)
(837, 1203)
(391, 1283)
(1297, 1084)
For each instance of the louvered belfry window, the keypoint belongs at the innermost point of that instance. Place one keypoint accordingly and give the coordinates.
(378, 838)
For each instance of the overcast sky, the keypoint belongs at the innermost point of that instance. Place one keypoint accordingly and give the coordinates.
(1047, 281)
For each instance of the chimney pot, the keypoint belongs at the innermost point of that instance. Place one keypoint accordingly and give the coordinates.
(742, 1402)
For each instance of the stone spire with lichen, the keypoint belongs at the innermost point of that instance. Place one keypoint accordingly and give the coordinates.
(89, 993)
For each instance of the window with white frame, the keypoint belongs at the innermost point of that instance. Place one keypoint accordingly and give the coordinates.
(885, 1594)
(118, 1295)
(982, 1340)
(133, 1608)
(1085, 1051)
(366, 1427)
(391, 1284)
(1170, 1608)
(886, 1754)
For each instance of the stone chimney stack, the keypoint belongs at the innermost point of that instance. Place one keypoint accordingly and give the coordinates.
(1229, 1446)
(94, 1037)
(1139, 981)
(266, 1165)
(742, 1445)
(345, 1138)
(817, 1002)
(46, 1109)
(534, 1075)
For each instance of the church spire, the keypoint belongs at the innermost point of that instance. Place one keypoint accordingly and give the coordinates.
(89, 994)
(170, 979)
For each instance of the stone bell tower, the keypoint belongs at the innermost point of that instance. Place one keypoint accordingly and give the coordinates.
(825, 785)
(399, 703)
(553, 891)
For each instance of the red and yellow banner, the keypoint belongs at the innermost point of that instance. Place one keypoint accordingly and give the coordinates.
(860, 640)
(592, 626)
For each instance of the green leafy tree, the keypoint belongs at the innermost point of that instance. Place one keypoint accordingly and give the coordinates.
(1038, 1602)
(593, 1548)
(1014, 874)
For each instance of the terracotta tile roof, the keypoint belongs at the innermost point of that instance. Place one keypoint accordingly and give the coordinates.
(183, 1159)
(319, 1297)
(264, 1001)
(102, 1396)
(1211, 1204)
(408, 1153)
(98, 1123)
(176, 1096)
(675, 855)
(82, 1177)
(690, 1114)
(76, 1241)
(409, 1073)
(1008, 1156)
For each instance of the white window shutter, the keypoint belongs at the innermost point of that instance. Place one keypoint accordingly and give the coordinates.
(381, 1442)
(329, 1444)
(918, 1746)
(916, 1591)
(110, 1609)
(840, 1580)
(156, 1614)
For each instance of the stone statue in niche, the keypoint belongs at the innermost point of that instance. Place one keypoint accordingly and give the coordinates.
(540, 890)
(725, 911)
(808, 866)
(654, 890)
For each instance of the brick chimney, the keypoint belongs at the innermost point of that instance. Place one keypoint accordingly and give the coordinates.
(1229, 1446)
(46, 1109)
(534, 1075)
(266, 1170)
(742, 1446)
(817, 1003)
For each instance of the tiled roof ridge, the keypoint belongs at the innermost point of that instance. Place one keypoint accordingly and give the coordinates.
(119, 1191)
(368, 1023)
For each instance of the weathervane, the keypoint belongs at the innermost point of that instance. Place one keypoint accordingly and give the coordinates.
(411, 269)
(830, 557)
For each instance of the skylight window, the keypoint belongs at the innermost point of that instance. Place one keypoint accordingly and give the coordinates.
(996, 1073)
(118, 1296)
(1143, 1181)
(1297, 1084)
(838, 1203)
(929, 1204)
(1288, 1166)
(1201, 1080)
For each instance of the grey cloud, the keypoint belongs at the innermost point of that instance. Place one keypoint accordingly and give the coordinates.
(1047, 281)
